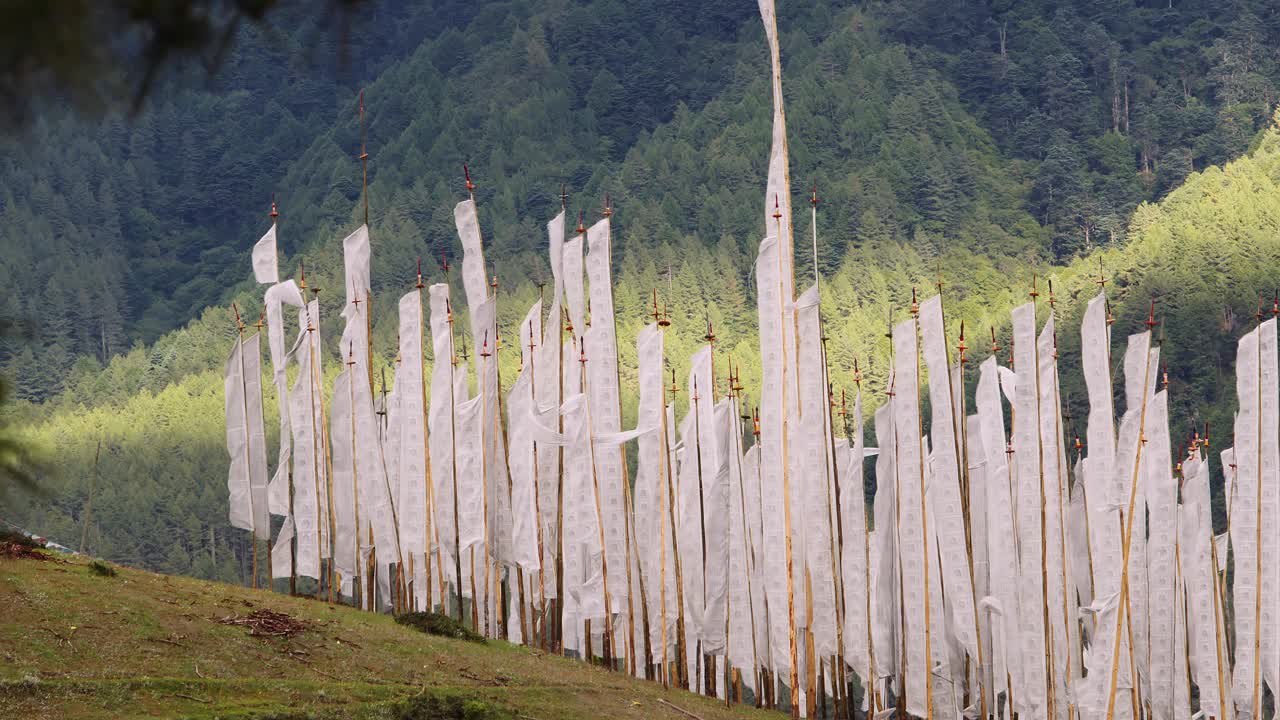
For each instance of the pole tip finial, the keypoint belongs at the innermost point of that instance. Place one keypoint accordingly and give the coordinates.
(275, 213)
(466, 172)
(813, 197)
(581, 225)
(608, 206)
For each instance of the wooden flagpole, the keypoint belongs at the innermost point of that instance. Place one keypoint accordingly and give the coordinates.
(538, 623)
(870, 689)
(430, 527)
(924, 522)
(244, 403)
(1219, 619)
(453, 444)
(735, 393)
(355, 475)
(662, 519)
(836, 533)
(628, 531)
(766, 686)
(267, 540)
(318, 450)
(682, 640)
(786, 478)
(561, 324)
(1050, 695)
(506, 464)
(1058, 500)
(1123, 612)
(608, 636)
(960, 430)
(293, 542)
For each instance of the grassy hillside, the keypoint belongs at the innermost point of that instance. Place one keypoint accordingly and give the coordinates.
(80, 645)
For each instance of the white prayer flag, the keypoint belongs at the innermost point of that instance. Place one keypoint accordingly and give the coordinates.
(913, 528)
(265, 263)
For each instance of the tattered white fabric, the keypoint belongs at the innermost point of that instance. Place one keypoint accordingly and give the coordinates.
(650, 520)
(548, 393)
(606, 408)
(282, 551)
(310, 479)
(441, 422)
(886, 581)
(716, 509)
(355, 256)
(742, 639)
(755, 541)
(1162, 561)
(1246, 530)
(470, 463)
(981, 679)
(775, 503)
(521, 453)
(949, 518)
(266, 267)
(1063, 632)
(913, 528)
(1030, 522)
(412, 464)
(571, 274)
(377, 511)
(1002, 606)
(811, 449)
(1205, 621)
(1103, 508)
(1269, 505)
(855, 556)
(274, 300)
(246, 438)
(345, 504)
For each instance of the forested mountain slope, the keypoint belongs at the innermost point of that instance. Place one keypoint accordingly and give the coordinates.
(666, 109)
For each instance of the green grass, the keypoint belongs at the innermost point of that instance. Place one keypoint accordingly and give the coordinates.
(74, 644)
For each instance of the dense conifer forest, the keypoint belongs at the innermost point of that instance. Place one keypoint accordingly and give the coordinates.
(983, 142)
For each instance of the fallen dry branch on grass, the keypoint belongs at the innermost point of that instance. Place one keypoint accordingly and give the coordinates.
(679, 709)
(206, 701)
(266, 623)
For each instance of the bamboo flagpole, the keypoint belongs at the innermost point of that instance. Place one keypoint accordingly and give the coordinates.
(453, 443)
(836, 530)
(682, 640)
(431, 532)
(248, 461)
(1123, 611)
(786, 484)
(541, 615)
(259, 326)
(1059, 462)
